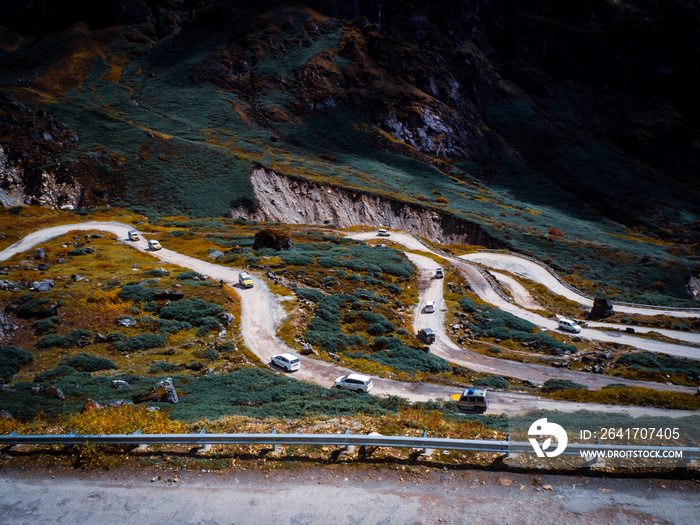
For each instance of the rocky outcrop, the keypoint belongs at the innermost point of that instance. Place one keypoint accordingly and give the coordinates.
(16, 188)
(602, 308)
(296, 201)
(163, 391)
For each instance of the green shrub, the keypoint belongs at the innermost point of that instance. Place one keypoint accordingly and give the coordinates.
(190, 310)
(29, 308)
(78, 251)
(187, 276)
(11, 360)
(390, 343)
(378, 329)
(309, 294)
(157, 272)
(89, 363)
(168, 327)
(552, 385)
(141, 342)
(468, 305)
(137, 293)
(47, 326)
(73, 338)
(163, 367)
(409, 360)
(492, 382)
(659, 363)
(59, 371)
(206, 325)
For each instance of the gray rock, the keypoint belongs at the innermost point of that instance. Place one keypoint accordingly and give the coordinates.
(7, 285)
(126, 321)
(39, 253)
(43, 267)
(38, 389)
(164, 391)
(118, 383)
(43, 286)
(55, 392)
(602, 307)
(61, 261)
(226, 318)
(5, 388)
(77, 278)
(119, 403)
(100, 338)
(215, 254)
(4, 414)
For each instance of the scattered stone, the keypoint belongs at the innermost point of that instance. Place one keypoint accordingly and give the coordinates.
(547, 487)
(4, 414)
(118, 383)
(602, 307)
(91, 404)
(43, 286)
(126, 321)
(119, 403)
(95, 236)
(163, 391)
(39, 253)
(38, 389)
(505, 482)
(61, 261)
(8, 285)
(226, 318)
(100, 338)
(215, 254)
(55, 392)
(6, 388)
(43, 267)
(77, 278)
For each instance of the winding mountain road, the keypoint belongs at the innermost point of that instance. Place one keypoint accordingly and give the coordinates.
(262, 315)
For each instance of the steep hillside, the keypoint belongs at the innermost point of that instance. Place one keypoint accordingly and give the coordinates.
(566, 131)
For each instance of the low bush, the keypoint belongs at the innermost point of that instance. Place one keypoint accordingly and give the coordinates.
(78, 337)
(89, 363)
(190, 310)
(137, 293)
(658, 363)
(309, 294)
(47, 326)
(492, 382)
(189, 276)
(206, 325)
(163, 367)
(141, 342)
(59, 371)
(157, 272)
(409, 360)
(552, 385)
(30, 307)
(11, 360)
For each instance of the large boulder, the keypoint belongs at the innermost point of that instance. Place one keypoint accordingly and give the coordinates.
(43, 286)
(602, 307)
(164, 391)
(275, 239)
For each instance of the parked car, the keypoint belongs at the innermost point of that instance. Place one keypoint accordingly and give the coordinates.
(426, 335)
(154, 245)
(356, 382)
(245, 279)
(133, 235)
(383, 233)
(429, 307)
(286, 361)
(439, 274)
(569, 325)
(472, 400)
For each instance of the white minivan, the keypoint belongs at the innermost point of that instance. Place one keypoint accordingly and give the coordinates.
(383, 233)
(569, 325)
(286, 361)
(356, 382)
(429, 307)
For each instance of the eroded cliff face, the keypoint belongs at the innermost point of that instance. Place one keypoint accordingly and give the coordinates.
(295, 201)
(44, 189)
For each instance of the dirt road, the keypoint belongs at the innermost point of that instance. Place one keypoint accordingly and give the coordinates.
(262, 314)
(401, 495)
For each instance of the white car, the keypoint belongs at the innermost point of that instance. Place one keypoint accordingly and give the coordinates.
(439, 273)
(383, 233)
(133, 235)
(569, 325)
(356, 382)
(154, 245)
(287, 361)
(429, 307)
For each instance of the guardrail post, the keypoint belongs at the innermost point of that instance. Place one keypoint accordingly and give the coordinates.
(13, 434)
(426, 452)
(143, 446)
(509, 454)
(595, 461)
(347, 449)
(275, 447)
(204, 447)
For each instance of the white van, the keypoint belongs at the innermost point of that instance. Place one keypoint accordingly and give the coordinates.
(429, 307)
(356, 382)
(286, 361)
(154, 245)
(569, 325)
(383, 233)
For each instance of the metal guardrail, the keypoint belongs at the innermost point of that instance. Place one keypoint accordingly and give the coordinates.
(581, 293)
(340, 440)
